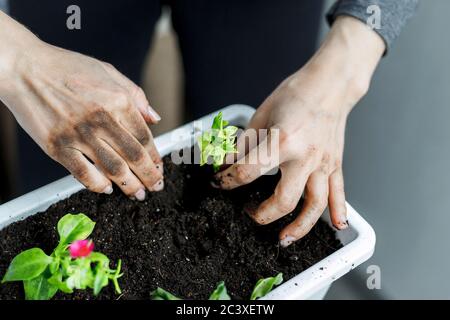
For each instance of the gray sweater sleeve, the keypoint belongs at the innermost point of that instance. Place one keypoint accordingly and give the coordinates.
(393, 15)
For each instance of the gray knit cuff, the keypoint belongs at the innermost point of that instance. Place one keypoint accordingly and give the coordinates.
(393, 15)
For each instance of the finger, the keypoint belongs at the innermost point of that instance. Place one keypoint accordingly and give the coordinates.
(315, 204)
(286, 196)
(246, 141)
(256, 163)
(249, 138)
(116, 169)
(137, 94)
(336, 200)
(136, 157)
(84, 171)
(138, 128)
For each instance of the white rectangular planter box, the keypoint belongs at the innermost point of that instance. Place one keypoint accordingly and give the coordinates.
(313, 283)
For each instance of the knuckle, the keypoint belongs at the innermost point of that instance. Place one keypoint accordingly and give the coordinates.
(109, 65)
(286, 203)
(140, 94)
(97, 110)
(120, 98)
(85, 129)
(113, 166)
(143, 136)
(241, 174)
(97, 116)
(319, 204)
(82, 174)
(136, 155)
(311, 150)
(57, 142)
(287, 206)
(152, 177)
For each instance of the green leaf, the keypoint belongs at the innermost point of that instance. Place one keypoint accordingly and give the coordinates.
(81, 275)
(217, 122)
(56, 280)
(102, 259)
(27, 265)
(39, 289)
(220, 293)
(217, 142)
(264, 286)
(116, 275)
(74, 227)
(161, 294)
(100, 281)
(54, 265)
(230, 130)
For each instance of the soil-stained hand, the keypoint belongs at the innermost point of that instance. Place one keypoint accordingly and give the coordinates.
(87, 116)
(308, 111)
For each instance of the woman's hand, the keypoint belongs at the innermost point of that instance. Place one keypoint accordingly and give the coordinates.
(82, 112)
(309, 111)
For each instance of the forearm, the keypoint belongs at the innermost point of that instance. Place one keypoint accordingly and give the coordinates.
(16, 42)
(347, 58)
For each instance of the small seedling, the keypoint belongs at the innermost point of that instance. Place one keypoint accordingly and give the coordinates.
(217, 142)
(72, 265)
(262, 287)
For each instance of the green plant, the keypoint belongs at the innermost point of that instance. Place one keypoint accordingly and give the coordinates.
(216, 142)
(72, 265)
(262, 287)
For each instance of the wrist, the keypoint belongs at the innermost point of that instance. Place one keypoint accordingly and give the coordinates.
(348, 57)
(18, 44)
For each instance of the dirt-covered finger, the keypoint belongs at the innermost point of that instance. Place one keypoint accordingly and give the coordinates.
(84, 171)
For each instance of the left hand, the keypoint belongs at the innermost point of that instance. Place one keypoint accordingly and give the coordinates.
(310, 110)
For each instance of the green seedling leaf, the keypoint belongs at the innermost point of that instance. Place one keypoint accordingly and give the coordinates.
(74, 227)
(217, 142)
(100, 281)
(116, 275)
(220, 293)
(264, 286)
(218, 122)
(161, 294)
(56, 280)
(39, 289)
(100, 258)
(27, 265)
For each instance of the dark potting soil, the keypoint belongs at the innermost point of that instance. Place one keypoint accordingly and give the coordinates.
(184, 239)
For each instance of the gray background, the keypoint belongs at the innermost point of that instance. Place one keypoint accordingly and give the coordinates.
(397, 161)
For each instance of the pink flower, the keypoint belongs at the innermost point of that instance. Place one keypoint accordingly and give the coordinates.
(81, 248)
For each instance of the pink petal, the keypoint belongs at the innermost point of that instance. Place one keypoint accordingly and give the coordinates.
(81, 248)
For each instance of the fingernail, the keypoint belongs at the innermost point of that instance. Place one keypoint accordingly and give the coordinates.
(215, 182)
(287, 241)
(108, 190)
(158, 186)
(140, 195)
(160, 167)
(153, 114)
(341, 225)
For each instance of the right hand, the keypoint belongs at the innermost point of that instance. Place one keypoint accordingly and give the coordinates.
(78, 109)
